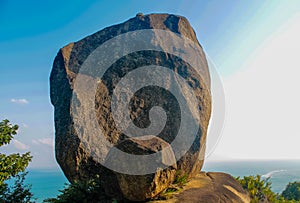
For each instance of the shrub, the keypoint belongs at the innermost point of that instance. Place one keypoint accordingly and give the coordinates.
(292, 191)
(258, 188)
(12, 167)
(88, 191)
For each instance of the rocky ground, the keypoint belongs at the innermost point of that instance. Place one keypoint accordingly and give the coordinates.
(208, 187)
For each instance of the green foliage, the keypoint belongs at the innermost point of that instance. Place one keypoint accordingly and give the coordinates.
(180, 179)
(292, 191)
(13, 166)
(89, 191)
(258, 188)
(171, 190)
(7, 131)
(19, 192)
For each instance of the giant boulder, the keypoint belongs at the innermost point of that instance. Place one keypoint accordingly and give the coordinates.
(89, 140)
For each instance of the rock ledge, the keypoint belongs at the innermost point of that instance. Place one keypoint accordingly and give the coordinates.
(209, 187)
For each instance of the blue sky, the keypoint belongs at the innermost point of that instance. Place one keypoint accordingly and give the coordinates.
(31, 33)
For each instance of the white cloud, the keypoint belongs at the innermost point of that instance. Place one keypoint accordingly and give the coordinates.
(45, 141)
(19, 145)
(24, 125)
(35, 142)
(19, 101)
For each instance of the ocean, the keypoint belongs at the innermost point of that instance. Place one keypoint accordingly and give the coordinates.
(279, 172)
(47, 183)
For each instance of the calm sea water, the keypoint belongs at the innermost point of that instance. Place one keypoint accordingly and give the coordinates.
(279, 172)
(46, 183)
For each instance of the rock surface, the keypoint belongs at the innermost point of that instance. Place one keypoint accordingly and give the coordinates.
(144, 186)
(210, 187)
(74, 146)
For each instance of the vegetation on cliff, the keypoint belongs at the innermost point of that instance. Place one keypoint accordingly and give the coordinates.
(12, 167)
(260, 190)
(292, 191)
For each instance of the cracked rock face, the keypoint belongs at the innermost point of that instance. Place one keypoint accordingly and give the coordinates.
(80, 151)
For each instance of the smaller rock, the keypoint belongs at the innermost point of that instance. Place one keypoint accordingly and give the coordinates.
(210, 187)
(142, 187)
